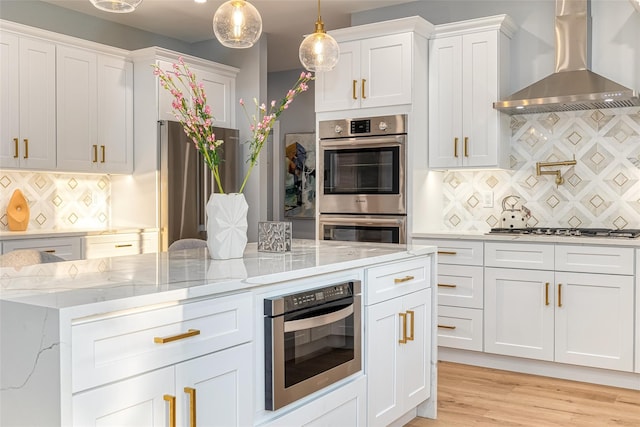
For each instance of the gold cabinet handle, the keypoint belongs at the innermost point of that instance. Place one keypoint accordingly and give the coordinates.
(403, 316)
(362, 92)
(164, 340)
(546, 293)
(192, 405)
(355, 82)
(50, 251)
(466, 146)
(127, 245)
(172, 409)
(95, 153)
(447, 253)
(15, 148)
(559, 294)
(446, 285)
(446, 327)
(26, 148)
(411, 325)
(455, 147)
(102, 151)
(403, 279)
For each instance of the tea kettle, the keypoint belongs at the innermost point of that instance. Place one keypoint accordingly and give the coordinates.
(512, 215)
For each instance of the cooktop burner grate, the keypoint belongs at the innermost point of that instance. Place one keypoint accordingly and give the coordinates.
(578, 232)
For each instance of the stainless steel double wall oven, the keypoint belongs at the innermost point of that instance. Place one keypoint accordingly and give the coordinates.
(362, 183)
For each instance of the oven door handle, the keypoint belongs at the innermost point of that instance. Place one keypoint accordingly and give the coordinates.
(362, 221)
(314, 322)
(363, 142)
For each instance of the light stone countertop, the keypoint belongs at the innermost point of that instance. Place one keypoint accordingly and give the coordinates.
(125, 282)
(528, 238)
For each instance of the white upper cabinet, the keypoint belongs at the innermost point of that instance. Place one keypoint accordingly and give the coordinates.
(468, 71)
(376, 66)
(27, 102)
(95, 112)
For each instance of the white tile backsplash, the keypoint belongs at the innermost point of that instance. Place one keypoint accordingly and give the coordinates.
(601, 190)
(56, 200)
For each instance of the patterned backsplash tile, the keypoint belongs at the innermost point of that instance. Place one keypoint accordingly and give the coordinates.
(63, 201)
(601, 190)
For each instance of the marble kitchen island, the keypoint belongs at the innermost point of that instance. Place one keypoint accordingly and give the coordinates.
(79, 339)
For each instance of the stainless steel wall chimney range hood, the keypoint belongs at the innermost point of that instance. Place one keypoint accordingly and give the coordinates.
(573, 86)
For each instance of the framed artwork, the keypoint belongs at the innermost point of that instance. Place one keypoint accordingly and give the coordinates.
(300, 175)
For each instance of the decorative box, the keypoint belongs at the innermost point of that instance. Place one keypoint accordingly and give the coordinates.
(274, 236)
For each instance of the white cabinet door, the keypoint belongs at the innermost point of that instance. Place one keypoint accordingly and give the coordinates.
(398, 356)
(219, 89)
(115, 115)
(480, 121)
(218, 387)
(445, 102)
(135, 402)
(77, 146)
(464, 80)
(519, 313)
(373, 72)
(594, 320)
(27, 103)
(386, 70)
(339, 89)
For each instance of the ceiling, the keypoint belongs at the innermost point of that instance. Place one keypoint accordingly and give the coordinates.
(285, 21)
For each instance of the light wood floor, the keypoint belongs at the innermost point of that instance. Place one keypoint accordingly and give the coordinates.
(470, 396)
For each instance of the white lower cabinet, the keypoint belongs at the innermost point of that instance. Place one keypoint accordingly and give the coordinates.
(67, 248)
(210, 390)
(563, 316)
(109, 245)
(398, 339)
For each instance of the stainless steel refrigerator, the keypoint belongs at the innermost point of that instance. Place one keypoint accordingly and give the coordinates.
(186, 182)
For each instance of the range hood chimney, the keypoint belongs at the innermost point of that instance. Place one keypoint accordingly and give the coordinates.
(573, 86)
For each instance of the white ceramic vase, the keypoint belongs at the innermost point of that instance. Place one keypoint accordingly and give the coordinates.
(226, 225)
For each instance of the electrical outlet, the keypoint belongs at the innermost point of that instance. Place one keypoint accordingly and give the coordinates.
(487, 199)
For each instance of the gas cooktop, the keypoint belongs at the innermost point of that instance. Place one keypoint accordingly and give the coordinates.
(579, 232)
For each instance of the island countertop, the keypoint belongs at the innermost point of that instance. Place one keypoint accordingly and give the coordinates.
(127, 281)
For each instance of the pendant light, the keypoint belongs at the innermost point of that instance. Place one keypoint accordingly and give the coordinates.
(237, 24)
(319, 51)
(116, 6)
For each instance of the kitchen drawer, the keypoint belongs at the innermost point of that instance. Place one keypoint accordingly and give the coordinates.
(594, 259)
(68, 248)
(149, 242)
(399, 278)
(461, 252)
(120, 345)
(519, 255)
(460, 285)
(109, 245)
(460, 328)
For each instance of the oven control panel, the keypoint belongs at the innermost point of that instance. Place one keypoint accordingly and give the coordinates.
(313, 297)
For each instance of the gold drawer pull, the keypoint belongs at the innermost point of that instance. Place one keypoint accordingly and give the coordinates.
(466, 146)
(559, 294)
(164, 340)
(455, 147)
(50, 251)
(447, 253)
(446, 327)
(412, 325)
(403, 279)
(15, 147)
(546, 293)
(127, 245)
(403, 316)
(95, 153)
(172, 409)
(355, 82)
(102, 150)
(192, 405)
(446, 285)
(26, 148)
(362, 94)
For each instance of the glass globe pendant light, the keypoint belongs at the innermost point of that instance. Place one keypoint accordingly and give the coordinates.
(116, 6)
(319, 51)
(237, 24)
